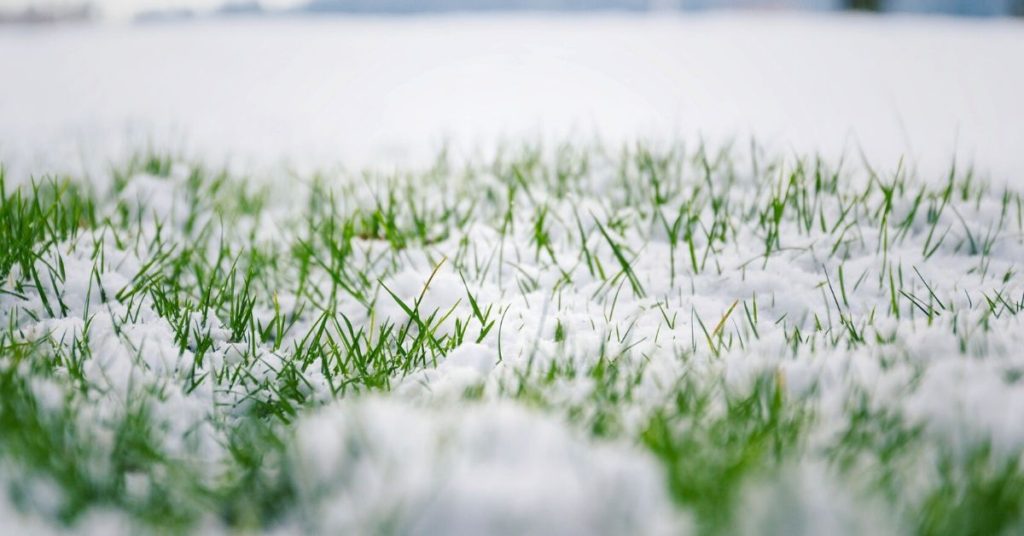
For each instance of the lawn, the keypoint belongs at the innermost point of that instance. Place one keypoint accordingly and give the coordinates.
(579, 339)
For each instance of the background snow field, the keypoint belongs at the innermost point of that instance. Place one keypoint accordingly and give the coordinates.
(797, 332)
(376, 91)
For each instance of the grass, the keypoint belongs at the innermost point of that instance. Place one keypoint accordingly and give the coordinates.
(731, 314)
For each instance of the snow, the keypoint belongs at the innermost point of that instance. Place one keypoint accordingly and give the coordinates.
(806, 501)
(493, 469)
(309, 94)
(359, 91)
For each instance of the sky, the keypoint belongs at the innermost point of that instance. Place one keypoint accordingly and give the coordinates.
(127, 9)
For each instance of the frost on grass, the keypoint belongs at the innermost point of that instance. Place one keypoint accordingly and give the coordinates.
(650, 340)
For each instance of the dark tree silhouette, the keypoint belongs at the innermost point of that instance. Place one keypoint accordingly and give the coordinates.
(864, 5)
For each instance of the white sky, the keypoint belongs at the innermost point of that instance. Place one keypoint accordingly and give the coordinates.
(120, 9)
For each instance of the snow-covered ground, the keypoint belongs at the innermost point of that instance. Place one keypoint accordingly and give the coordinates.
(549, 338)
(377, 90)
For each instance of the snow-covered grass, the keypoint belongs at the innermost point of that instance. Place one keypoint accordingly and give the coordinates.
(656, 338)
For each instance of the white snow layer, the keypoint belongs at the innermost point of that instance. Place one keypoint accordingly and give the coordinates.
(491, 469)
(378, 90)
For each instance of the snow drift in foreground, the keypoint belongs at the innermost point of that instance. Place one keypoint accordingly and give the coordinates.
(383, 465)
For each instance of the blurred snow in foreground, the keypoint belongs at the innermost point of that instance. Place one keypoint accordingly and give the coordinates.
(472, 470)
(386, 91)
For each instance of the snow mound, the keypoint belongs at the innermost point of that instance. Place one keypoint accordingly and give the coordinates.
(378, 464)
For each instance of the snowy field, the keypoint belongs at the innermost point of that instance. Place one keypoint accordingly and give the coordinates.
(722, 274)
(379, 91)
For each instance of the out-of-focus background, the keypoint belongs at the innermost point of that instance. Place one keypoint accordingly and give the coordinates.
(362, 83)
(41, 11)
